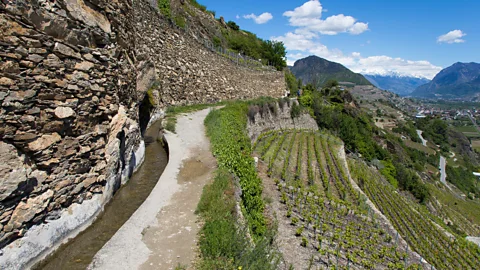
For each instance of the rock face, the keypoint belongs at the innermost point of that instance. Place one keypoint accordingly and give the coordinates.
(74, 75)
(12, 169)
(263, 120)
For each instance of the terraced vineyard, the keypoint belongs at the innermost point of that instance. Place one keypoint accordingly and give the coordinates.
(331, 221)
(427, 238)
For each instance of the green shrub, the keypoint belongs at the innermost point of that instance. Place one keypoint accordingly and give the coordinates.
(216, 41)
(164, 7)
(295, 110)
(197, 5)
(171, 123)
(304, 242)
(180, 21)
(233, 25)
(389, 172)
(232, 148)
(212, 12)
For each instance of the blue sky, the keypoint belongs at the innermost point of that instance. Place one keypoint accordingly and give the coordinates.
(416, 38)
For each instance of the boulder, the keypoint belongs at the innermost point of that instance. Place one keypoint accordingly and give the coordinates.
(64, 112)
(85, 66)
(64, 50)
(26, 211)
(80, 11)
(44, 142)
(13, 170)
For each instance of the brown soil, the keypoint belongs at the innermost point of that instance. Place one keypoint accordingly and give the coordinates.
(286, 241)
(173, 241)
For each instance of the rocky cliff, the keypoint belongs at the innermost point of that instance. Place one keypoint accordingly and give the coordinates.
(79, 82)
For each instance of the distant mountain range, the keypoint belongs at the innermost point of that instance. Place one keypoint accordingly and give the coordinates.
(461, 80)
(402, 85)
(318, 71)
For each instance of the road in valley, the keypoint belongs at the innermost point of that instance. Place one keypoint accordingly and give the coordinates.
(424, 142)
(443, 173)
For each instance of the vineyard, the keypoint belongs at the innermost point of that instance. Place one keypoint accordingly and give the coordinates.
(427, 238)
(326, 214)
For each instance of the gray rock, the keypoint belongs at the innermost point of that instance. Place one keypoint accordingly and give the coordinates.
(13, 170)
(53, 61)
(64, 112)
(66, 51)
(80, 11)
(35, 58)
(44, 142)
(84, 66)
(26, 211)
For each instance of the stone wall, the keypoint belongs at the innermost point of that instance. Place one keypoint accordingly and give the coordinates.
(190, 73)
(266, 120)
(74, 79)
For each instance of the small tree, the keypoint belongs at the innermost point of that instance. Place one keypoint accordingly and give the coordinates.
(331, 83)
(233, 25)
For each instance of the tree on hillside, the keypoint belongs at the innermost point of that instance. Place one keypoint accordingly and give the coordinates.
(275, 52)
(331, 83)
(233, 25)
(291, 82)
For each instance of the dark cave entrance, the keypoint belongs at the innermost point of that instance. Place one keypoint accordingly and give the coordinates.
(146, 107)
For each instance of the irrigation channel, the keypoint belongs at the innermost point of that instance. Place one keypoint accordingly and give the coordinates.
(79, 251)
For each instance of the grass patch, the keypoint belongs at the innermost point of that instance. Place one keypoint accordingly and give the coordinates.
(476, 144)
(472, 135)
(419, 147)
(175, 110)
(223, 245)
(180, 21)
(466, 129)
(171, 123)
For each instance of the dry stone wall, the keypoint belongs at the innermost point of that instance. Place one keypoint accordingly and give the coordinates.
(74, 79)
(264, 120)
(190, 73)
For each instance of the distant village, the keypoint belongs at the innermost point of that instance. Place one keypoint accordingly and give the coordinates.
(446, 114)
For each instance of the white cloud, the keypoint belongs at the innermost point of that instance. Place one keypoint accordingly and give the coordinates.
(261, 19)
(310, 9)
(308, 16)
(309, 26)
(385, 65)
(300, 46)
(237, 17)
(454, 36)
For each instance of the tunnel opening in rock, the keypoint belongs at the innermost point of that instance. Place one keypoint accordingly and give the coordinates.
(144, 112)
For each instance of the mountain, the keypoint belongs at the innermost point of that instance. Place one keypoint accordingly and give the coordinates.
(461, 80)
(318, 71)
(402, 85)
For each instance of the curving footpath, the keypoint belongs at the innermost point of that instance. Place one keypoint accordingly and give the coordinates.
(162, 233)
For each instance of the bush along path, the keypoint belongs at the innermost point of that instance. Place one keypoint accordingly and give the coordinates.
(224, 243)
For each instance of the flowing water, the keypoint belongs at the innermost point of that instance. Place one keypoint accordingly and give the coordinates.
(79, 252)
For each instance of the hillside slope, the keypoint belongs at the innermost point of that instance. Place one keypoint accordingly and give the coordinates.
(401, 85)
(461, 80)
(318, 71)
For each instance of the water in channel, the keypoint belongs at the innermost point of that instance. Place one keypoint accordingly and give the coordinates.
(78, 253)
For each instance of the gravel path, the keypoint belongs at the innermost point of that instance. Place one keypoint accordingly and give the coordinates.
(162, 233)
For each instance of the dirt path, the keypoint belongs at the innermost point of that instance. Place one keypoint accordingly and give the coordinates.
(162, 233)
